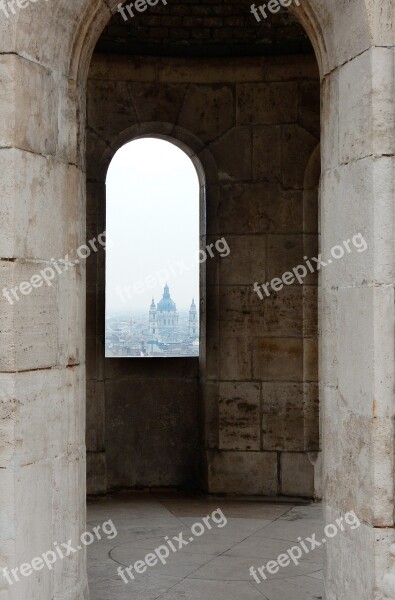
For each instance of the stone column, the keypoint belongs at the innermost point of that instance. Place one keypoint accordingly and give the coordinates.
(42, 324)
(357, 352)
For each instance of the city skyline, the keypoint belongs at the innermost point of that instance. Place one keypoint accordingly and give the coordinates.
(163, 330)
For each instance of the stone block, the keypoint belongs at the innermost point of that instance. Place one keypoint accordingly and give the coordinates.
(266, 103)
(8, 525)
(366, 112)
(310, 210)
(371, 256)
(160, 447)
(239, 412)
(35, 535)
(310, 311)
(34, 195)
(283, 416)
(311, 251)
(71, 316)
(310, 359)
(29, 327)
(297, 147)
(60, 395)
(211, 414)
(309, 106)
(105, 67)
(35, 135)
(297, 474)
(69, 517)
(266, 208)
(277, 359)
(311, 410)
(358, 461)
(208, 111)
(290, 416)
(235, 359)
(8, 408)
(156, 101)
(211, 313)
(189, 70)
(266, 153)
(233, 155)
(367, 576)
(365, 317)
(289, 68)
(246, 262)
(243, 313)
(114, 99)
(284, 252)
(242, 473)
(330, 121)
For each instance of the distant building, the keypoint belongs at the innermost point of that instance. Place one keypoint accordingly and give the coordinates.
(164, 316)
(193, 323)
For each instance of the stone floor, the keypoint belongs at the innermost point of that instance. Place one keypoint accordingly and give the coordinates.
(214, 565)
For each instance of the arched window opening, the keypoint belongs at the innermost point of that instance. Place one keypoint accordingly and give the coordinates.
(152, 256)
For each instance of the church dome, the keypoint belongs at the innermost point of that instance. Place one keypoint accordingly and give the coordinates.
(166, 304)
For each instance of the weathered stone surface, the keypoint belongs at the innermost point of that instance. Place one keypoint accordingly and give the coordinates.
(233, 165)
(364, 484)
(283, 416)
(267, 103)
(298, 145)
(363, 132)
(211, 414)
(266, 208)
(267, 153)
(371, 257)
(239, 412)
(243, 313)
(284, 253)
(297, 475)
(34, 196)
(45, 52)
(243, 473)
(246, 262)
(235, 359)
(309, 106)
(278, 359)
(117, 102)
(160, 449)
(156, 102)
(34, 135)
(207, 111)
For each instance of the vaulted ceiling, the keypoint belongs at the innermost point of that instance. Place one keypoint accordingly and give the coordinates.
(208, 28)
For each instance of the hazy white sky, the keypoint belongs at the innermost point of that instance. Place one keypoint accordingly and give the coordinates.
(152, 226)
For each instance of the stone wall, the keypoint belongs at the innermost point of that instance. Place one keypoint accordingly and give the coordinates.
(254, 127)
(45, 53)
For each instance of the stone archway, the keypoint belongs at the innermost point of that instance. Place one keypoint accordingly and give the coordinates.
(178, 380)
(44, 63)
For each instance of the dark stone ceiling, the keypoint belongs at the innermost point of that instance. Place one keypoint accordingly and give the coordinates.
(208, 28)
